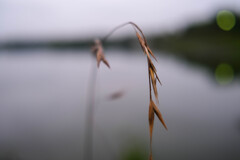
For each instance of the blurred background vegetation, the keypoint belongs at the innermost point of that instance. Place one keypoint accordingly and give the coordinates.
(214, 44)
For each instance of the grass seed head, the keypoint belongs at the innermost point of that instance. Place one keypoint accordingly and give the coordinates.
(97, 50)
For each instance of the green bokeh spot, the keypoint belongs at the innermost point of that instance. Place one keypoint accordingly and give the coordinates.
(135, 152)
(224, 74)
(226, 20)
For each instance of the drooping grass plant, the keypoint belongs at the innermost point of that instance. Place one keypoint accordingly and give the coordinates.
(97, 50)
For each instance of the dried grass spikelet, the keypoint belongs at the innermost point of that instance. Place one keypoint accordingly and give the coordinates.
(158, 113)
(97, 49)
(152, 75)
(153, 78)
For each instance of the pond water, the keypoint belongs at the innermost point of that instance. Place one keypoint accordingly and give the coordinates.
(43, 99)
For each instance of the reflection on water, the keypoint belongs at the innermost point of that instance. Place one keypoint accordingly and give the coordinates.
(43, 99)
(224, 74)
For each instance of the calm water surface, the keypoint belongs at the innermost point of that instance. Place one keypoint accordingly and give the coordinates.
(43, 106)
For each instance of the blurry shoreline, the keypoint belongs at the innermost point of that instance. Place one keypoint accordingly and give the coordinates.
(203, 43)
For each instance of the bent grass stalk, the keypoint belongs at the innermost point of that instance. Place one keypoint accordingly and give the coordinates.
(97, 50)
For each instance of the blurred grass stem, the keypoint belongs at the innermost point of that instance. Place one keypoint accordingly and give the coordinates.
(89, 125)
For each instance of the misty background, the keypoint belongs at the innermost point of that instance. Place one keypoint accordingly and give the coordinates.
(46, 63)
(43, 19)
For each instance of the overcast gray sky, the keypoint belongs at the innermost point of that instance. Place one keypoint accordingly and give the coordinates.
(82, 18)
